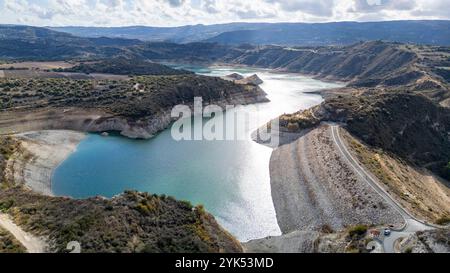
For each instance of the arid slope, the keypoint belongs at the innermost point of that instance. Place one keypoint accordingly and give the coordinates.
(314, 187)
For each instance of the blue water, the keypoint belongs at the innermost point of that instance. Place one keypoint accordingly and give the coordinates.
(231, 178)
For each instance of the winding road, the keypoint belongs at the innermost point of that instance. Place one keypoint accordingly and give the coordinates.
(412, 224)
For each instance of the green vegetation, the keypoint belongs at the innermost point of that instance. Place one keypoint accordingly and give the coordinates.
(357, 239)
(298, 121)
(357, 231)
(124, 66)
(131, 222)
(9, 244)
(141, 96)
(392, 121)
(8, 146)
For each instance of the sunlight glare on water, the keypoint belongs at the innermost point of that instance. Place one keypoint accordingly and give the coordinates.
(231, 178)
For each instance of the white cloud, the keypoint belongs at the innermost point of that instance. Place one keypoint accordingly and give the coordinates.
(312, 7)
(372, 6)
(182, 12)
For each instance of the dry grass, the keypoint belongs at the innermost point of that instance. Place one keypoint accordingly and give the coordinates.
(419, 191)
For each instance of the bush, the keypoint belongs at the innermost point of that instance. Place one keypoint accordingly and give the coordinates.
(201, 209)
(445, 220)
(6, 205)
(359, 230)
(293, 127)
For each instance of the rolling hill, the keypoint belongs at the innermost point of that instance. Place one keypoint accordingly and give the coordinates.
(35, 43)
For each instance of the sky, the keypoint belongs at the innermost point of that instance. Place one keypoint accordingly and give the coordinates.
(189, 12)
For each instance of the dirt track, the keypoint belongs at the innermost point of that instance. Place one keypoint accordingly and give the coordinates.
(31, 243)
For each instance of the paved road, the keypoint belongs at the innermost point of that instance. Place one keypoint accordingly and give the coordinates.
(31, 243)
(412, 224)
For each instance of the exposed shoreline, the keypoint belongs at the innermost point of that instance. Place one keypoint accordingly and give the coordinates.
(46, 150)
(50, 136)
(41, 153)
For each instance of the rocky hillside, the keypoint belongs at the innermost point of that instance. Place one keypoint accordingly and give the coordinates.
(366, 64)
(137, 108)
(375, 64)
(430, 241)
(405, 124)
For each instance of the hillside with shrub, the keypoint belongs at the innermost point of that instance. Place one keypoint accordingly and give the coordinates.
(406, 124)
(139, 97)
(124, 66)
(131, 222)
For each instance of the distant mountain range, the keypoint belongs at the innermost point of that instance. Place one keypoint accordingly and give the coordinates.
(363, 64)
(183, 34)
(36, 43)
(431, 32)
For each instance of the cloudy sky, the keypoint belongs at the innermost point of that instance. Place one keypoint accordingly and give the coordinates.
(183, 12)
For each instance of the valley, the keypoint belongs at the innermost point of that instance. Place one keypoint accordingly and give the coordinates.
(374, 154)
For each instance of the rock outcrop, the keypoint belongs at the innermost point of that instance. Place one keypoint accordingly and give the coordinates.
(234, 77)
(252, 80)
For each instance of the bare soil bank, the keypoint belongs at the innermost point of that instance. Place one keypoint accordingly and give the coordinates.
(41, 153)
(313, 186)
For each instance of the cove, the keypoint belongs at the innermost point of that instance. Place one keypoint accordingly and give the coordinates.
(231, 178)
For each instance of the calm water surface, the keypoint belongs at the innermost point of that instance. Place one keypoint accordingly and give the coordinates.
(231, 178)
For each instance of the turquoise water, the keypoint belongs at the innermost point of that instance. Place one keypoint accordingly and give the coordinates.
(231, 178)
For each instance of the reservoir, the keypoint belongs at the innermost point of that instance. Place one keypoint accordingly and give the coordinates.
(230, 178)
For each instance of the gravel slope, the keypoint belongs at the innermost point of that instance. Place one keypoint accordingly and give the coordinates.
(313, 186)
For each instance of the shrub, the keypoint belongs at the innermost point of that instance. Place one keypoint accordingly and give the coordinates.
(443, 220)
(6, 205)
(293, 127)
(358, 230)
(201, 209)
(186, 204)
